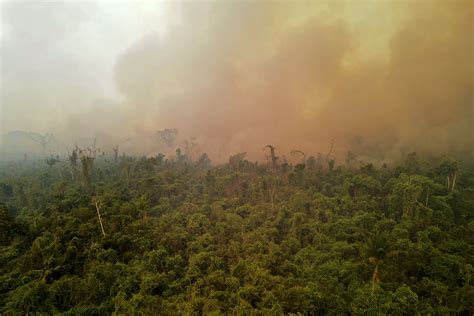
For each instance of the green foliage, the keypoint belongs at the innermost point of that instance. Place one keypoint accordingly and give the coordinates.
(184, 237)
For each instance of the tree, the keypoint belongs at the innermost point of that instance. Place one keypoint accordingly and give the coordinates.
(302, 154)
(273, 157)
(235, 161)
(166, 138)
(87, 157)
(448, 168)
(115, 149)
(52, 160)
(176, 237)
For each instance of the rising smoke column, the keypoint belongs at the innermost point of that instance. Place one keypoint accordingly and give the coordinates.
(239, 75)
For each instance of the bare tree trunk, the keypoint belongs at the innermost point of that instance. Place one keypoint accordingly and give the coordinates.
(330, 150)
(115, 149)
(100, 219)
(273, 156)
(454, 181)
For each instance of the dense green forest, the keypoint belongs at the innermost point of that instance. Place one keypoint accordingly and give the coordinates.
(96, 235)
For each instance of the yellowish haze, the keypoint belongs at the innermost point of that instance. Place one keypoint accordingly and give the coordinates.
(375, 76)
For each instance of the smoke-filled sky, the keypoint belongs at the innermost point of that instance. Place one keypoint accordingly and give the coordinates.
(381, 76)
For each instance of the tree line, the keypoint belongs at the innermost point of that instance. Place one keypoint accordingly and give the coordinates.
(99, 235)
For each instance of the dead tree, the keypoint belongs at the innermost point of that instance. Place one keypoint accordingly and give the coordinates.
(449, 167)
(236, 160)
(330, 150)
(115, 149)
(98, 215)
(451, 181)
(299, 152)
(42, 140)
(452, 177)
(166, 139)
(72, 158)
(87, 166)
(330, 162)
(87, 157)
(273, 157)
(272, 187)
(454, 180)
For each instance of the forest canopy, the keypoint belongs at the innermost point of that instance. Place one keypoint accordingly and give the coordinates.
(171, 235)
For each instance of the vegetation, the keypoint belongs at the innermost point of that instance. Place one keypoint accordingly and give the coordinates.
(96, 235)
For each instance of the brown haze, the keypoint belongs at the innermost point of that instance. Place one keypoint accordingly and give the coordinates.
(379, 77)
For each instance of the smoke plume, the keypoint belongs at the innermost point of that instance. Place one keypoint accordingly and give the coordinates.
(384, 77)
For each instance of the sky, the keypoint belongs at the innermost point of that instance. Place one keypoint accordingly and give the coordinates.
(376, 77)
